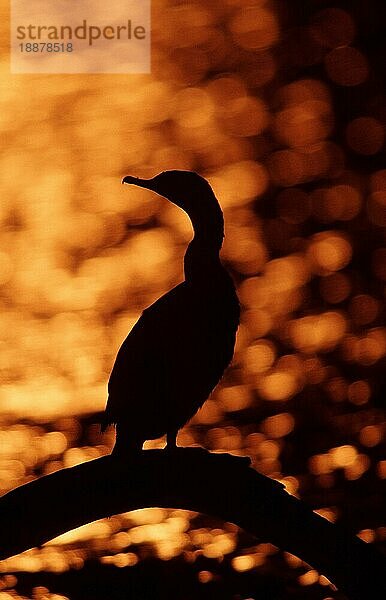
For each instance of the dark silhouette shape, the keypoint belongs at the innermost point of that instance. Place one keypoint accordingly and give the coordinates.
(194, 479)
(177, 351)
(164, 371)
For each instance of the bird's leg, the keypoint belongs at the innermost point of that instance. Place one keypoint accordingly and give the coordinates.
(171, 440)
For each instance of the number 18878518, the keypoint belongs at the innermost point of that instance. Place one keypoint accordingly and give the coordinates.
(46, 47)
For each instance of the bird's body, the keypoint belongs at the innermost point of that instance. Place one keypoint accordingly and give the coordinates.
(177, 351)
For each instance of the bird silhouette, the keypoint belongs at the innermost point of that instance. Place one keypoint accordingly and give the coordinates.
(177, 351)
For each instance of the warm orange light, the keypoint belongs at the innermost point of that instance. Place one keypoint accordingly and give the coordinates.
(330, 513)
(359, 392)
(81, 256)
(309, 578)
(365, 135)
(341, 203)
(381, 469)
(319, 332)
(303, 124)
(378, 181)
(346, 66)
(335, 287)
(255, 28)
(287, 168)
(246, 117)
(279, 425)
(330, 251)
(364, 309)
(343, 456)
(278, 386)
(333, 27)
(320, 464)
(358, 468)
(240, 182)
(367, 535)
(376, 208)
(304, 90)
(370, 436)
(235, 397)
(260, 356)
(284, 274)
(205, 576)
(247, 562)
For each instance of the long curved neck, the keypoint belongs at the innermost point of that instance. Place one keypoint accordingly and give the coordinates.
(202, 259)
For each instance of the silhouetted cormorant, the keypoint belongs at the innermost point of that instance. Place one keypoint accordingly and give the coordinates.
(178, 350)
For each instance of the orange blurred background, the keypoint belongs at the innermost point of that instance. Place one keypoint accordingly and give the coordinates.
(282, 108)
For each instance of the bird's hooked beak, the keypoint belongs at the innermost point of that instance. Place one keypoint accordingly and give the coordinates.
(144, 183)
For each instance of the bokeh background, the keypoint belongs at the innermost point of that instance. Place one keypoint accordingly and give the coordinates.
(281, 105)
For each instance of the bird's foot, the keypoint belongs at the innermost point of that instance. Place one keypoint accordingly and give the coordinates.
(171, 442)
(171, 448)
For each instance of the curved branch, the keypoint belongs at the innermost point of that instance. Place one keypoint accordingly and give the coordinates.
(216, 484)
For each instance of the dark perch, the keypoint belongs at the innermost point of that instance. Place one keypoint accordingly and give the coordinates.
(216, 484)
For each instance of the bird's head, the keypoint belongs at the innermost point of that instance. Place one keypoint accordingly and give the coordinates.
(186, 189)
